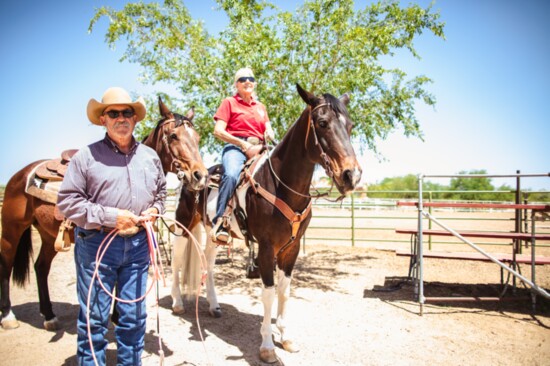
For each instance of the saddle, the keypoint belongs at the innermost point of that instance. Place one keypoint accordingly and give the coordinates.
(215, 173)
(44, 183)
(55, 169)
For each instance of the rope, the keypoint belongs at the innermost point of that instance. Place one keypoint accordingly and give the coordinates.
(158, 273)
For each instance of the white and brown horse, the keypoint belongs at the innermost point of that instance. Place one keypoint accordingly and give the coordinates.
(274, 209)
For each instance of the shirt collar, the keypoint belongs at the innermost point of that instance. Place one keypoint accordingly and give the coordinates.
(241, 100)
(114, 147)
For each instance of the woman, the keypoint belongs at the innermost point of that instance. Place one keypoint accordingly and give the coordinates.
(241, 122)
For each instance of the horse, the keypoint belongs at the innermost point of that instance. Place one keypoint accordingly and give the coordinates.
(271, 208)
(177, 144)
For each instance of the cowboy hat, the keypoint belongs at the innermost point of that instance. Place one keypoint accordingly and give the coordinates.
(112, 96)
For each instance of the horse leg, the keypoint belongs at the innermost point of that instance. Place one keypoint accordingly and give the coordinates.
(211, 252)
(285, 265)
(283, 290)
(179, 244)
(42, 268)
(15, 250)
(266, 266)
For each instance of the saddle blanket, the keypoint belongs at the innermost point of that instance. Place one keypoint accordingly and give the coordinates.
(44, 189)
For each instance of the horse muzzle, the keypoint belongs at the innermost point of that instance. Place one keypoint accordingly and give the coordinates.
(348, 180)
(194, 180)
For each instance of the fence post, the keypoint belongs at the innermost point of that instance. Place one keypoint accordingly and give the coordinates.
(352, 221)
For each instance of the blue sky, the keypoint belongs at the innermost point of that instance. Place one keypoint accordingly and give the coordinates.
(491, 80)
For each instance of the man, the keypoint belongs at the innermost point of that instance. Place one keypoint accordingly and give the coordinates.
(107, 185)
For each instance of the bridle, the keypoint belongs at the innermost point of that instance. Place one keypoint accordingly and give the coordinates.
(324, 159)
(175, 163)
(294, 218)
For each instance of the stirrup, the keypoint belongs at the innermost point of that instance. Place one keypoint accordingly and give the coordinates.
(214, 234)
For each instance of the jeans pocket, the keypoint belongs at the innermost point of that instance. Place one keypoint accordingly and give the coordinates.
(81, 235)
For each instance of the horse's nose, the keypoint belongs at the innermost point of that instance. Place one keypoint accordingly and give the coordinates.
(200, 179)
(351, 178)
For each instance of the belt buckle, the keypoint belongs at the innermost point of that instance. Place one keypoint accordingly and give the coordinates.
(253, 140)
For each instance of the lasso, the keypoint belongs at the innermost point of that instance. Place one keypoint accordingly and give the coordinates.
(158, 273)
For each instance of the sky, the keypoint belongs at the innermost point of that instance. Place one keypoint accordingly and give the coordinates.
(491, 79)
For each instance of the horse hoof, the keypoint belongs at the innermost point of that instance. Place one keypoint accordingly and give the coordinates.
(178, 310)
(268, 356)
(290, 347)
(10, 323)
(216, 313)
(52, 324)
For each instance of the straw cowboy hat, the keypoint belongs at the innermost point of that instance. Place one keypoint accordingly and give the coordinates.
(112, 96)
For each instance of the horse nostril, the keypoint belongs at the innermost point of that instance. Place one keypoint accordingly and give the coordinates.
(349, 178)
(197, 175)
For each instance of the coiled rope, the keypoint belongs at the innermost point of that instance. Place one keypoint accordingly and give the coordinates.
(158, 274)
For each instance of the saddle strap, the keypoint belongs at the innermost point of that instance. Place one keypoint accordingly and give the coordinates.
(295, 218)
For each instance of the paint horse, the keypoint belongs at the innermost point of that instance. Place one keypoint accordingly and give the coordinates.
(272, 207)
(177, 144)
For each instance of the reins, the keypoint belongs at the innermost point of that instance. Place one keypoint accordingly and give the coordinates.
(324, 158)
(295, 218)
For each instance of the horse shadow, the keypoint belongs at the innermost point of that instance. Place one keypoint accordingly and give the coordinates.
(230, 328)
(513, 300)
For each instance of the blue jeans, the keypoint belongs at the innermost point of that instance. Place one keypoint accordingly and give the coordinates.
(125, 266)
(233, 160)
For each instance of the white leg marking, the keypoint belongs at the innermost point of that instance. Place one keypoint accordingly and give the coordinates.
(268, 296)
(179, 244)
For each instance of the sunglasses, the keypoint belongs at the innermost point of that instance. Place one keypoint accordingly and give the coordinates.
(127, 113)
(246, 78)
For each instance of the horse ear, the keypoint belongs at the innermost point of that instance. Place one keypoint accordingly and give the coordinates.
(306, 96)
(345, 99)
(164, 111)
(190, 114)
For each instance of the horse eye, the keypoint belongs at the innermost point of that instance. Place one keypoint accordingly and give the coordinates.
(323, 123)
(173, 136)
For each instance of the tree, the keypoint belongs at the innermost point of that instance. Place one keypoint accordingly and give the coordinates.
(326, 46)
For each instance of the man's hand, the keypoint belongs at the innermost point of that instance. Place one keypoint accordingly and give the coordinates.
(126, 220)
(147, 215)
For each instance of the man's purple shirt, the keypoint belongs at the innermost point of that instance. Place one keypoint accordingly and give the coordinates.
(101, 179)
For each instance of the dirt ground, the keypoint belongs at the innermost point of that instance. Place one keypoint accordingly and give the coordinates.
(349, 306)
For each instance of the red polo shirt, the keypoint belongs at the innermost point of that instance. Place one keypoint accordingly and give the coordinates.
(243, 119)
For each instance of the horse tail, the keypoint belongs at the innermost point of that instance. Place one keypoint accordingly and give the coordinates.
(191, 264)
(21, 267)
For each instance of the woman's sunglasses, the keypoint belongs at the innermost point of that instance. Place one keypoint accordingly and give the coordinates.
(246, 78)
(127, 113)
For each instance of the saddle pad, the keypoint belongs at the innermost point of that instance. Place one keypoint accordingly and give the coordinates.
(41, 188)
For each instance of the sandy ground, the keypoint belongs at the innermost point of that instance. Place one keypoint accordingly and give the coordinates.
(349, 306)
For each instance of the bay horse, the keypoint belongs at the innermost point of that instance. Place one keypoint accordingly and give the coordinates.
(177, 144)
(275, 220)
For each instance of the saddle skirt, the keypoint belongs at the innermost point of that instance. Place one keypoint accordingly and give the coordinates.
(45, 179)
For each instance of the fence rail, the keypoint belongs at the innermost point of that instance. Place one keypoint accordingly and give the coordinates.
(363, 217)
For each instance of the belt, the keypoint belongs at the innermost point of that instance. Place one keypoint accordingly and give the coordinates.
(125, 233)
(251, 139)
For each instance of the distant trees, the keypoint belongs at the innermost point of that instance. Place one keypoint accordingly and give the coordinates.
(481, 189)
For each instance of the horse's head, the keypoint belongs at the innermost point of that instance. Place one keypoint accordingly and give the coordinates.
(177, 144)
(328, 138)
